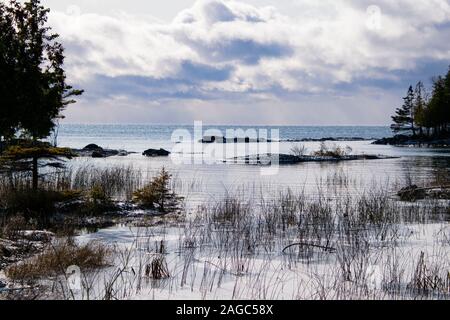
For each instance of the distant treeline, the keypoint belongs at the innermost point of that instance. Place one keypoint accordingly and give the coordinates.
(423, 112)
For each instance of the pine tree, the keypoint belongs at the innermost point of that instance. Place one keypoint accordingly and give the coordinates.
(436, 108)
(404, 116)
(446, 105)
(43, 92)
(420, 111)
(28, 156)
(9, 43)
(420, 106)
(33, 88)
(158, 194)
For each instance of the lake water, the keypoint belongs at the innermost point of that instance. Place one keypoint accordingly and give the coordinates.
(201, 176)
(141, 137)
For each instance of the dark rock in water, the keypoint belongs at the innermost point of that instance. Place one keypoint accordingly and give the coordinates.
(411, 193)
(97, 154)
(212, 139)
(92, 147)
(414, 193)
(219, 139)
(95, 151)
(156, 153)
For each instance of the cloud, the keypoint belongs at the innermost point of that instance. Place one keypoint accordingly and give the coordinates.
(220, 49)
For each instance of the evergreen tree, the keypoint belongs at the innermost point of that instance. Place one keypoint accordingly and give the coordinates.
(420, 105)
(9, 115)
(158, 194)
(33, 88)
(436, 107)
(446, 105)
(43, 89)
(404, 116)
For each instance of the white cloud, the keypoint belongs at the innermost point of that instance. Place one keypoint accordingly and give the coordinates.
(218, 48)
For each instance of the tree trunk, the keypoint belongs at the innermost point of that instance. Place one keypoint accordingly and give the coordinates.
(35, 173)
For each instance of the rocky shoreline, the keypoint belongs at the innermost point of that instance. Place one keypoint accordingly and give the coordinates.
(330, 139)
(95, 151)
(419, 141)
(22, 245)
(414, 193)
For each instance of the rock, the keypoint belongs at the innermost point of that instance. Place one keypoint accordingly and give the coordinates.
(156, 153)
(93, 147)
(439, 193)
(95, 151)
(411, 193)
(212, 139)
(419, 141)
(5, 252)
(329, 139)
(36, 235)
(97, 154)
(219, 139)
(398, 139)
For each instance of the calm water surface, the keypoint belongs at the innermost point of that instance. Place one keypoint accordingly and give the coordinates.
(199, 181)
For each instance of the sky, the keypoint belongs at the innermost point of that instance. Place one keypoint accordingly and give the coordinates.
(279, 62)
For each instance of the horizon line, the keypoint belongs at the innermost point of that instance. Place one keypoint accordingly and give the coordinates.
(221, 124)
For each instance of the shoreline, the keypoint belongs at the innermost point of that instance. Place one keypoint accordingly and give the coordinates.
(410, 141)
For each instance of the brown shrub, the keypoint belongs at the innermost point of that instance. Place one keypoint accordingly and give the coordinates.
(57, 258)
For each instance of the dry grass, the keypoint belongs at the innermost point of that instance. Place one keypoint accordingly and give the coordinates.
(57, 258)
(429, 279)
(332, 151)
(158, 268)
(11, 226)
(116, 182)
(299, 150)
(357, 236)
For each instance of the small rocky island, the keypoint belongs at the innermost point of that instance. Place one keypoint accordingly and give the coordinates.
(95, 151)
(287, 159)
(326, 153)
(156, 153)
